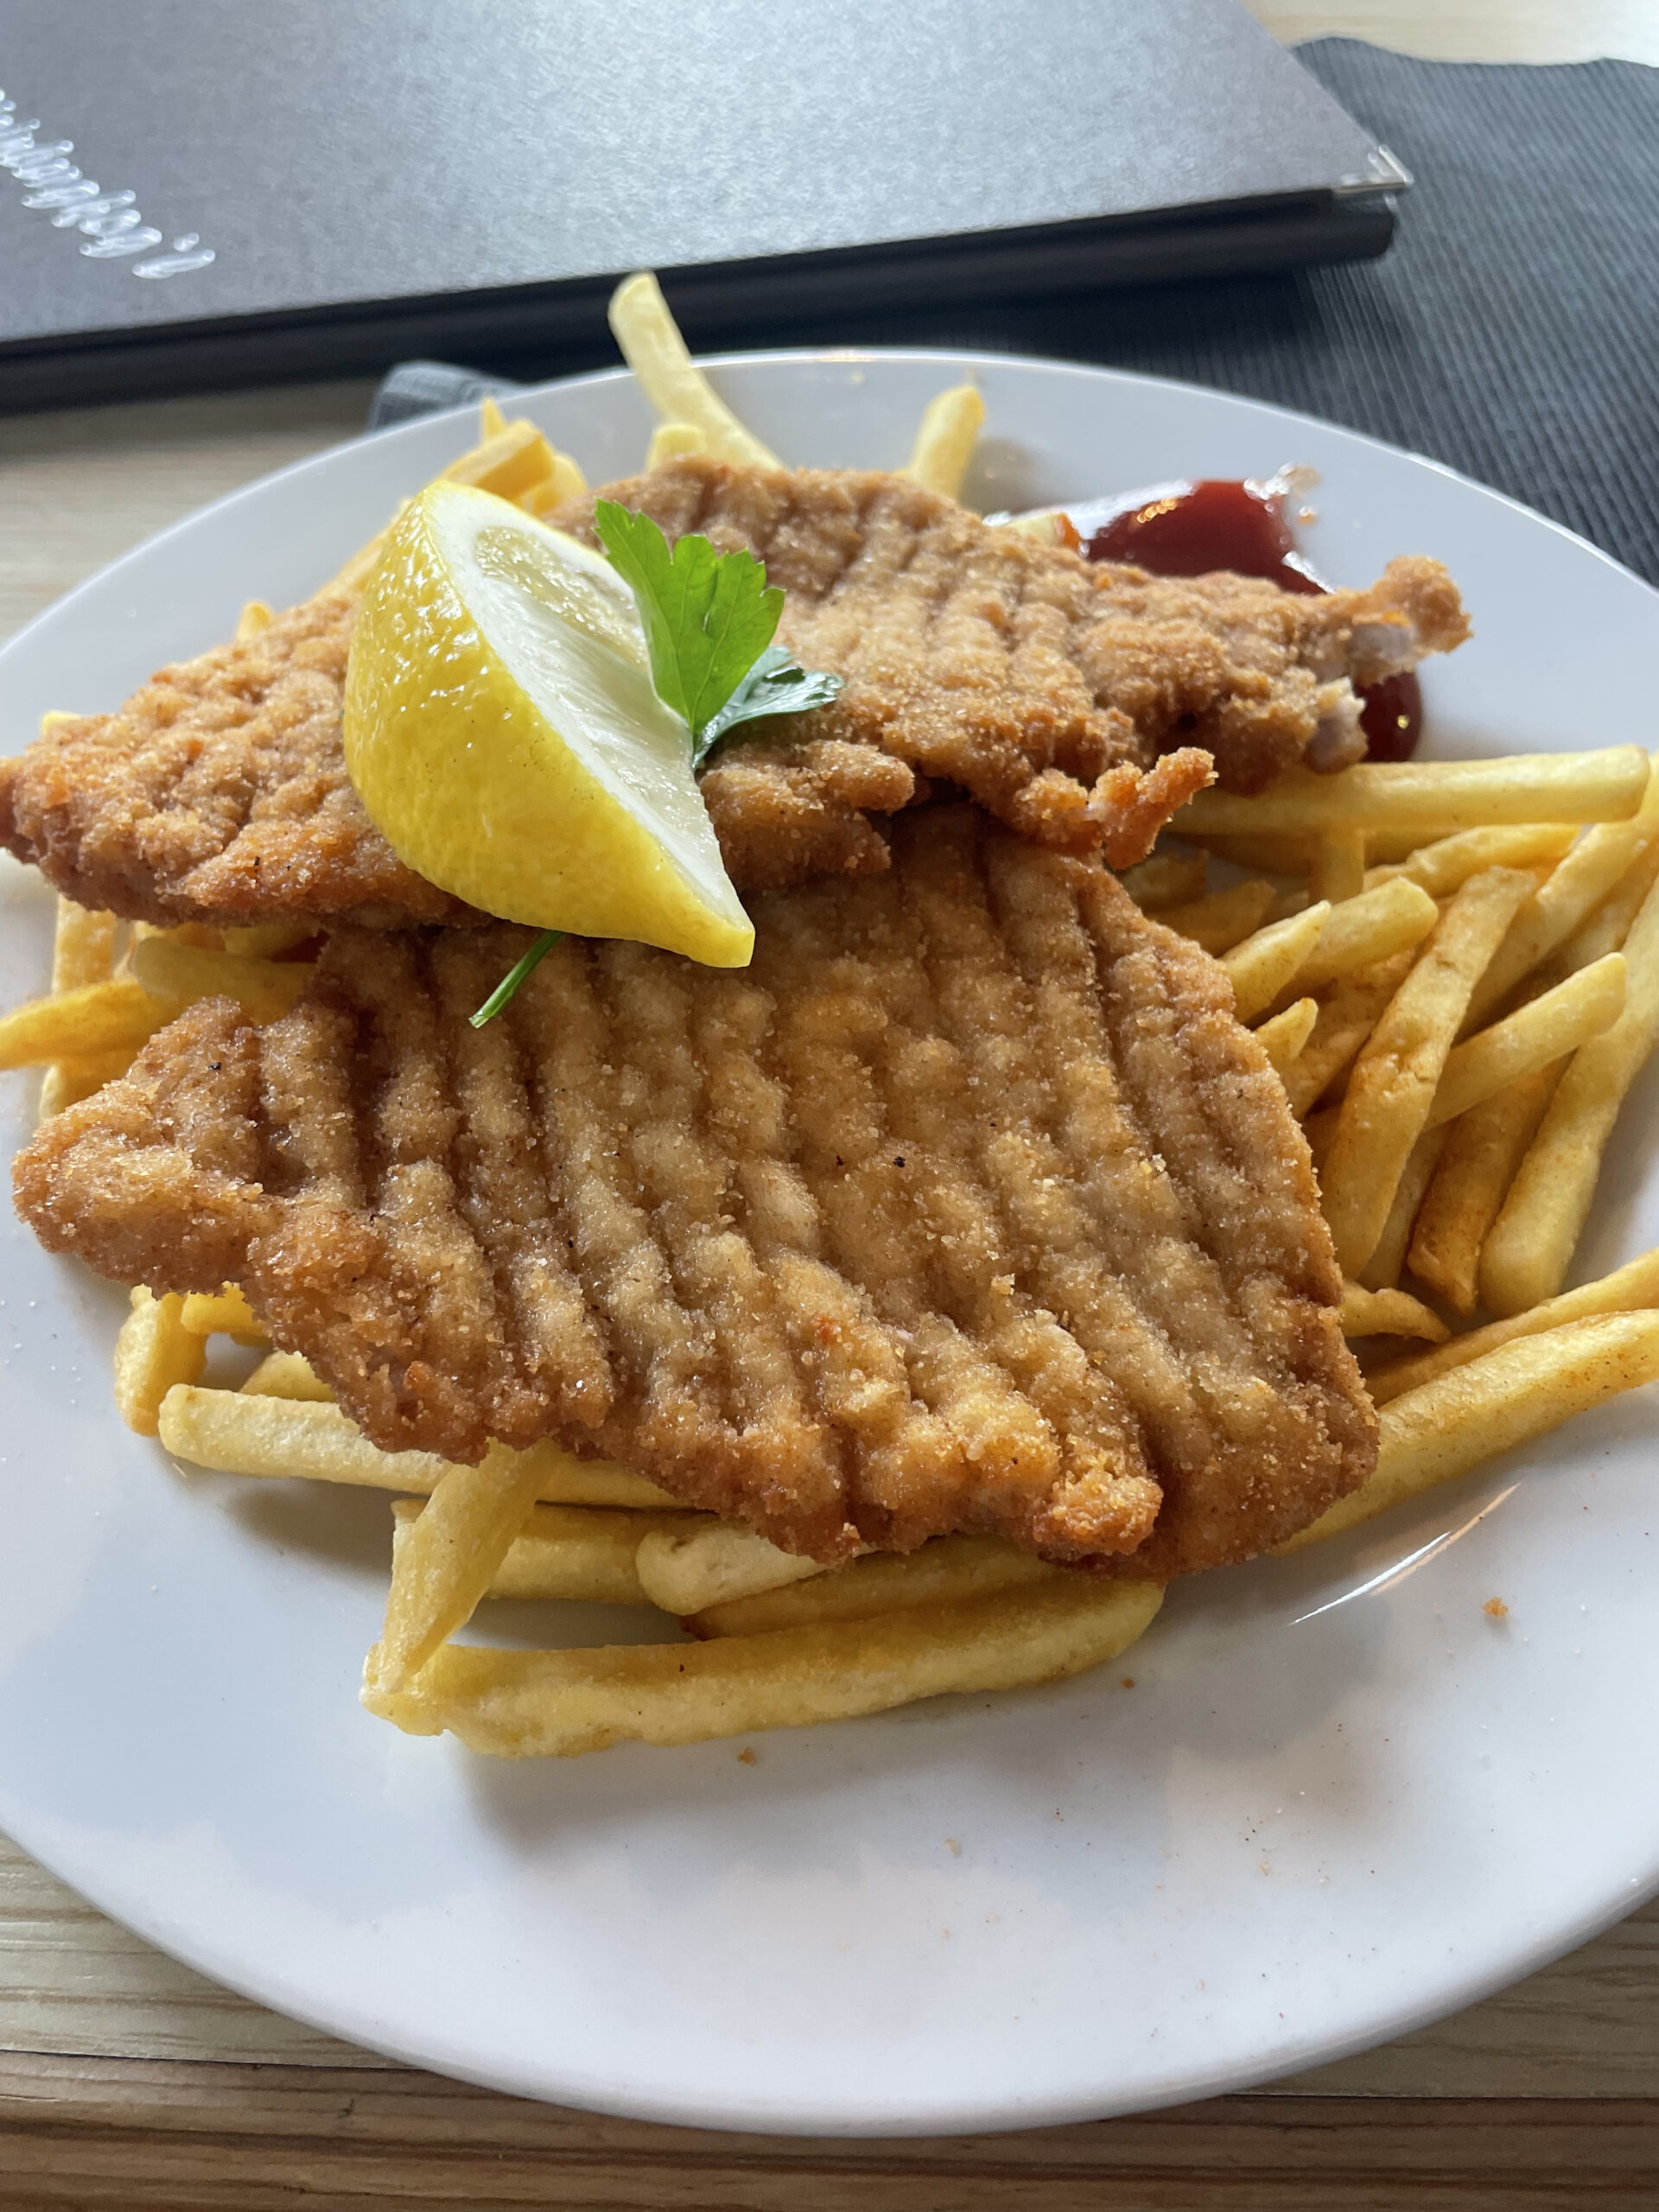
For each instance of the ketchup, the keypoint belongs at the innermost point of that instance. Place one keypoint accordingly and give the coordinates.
(1186, 530)
(1189, 529)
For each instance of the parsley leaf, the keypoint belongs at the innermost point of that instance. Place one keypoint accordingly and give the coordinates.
(709, 616)
(777, 684)
(710, 619)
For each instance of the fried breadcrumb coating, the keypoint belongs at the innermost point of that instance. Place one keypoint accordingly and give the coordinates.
(1081, 705)
(970, 1206)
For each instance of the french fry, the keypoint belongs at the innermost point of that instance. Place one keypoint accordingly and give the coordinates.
(1256, 850)
(1490, 1142)
(1224, 919)
(236, 1434)
(1284, 1036)
(577, 1553)
(1394, 1077)
(1484, 1148)
(542, 1704)
(255, 617)
(949, 1568)
(1345, 1021)
(1384, 846)
(1393, 918)
(54, 718)
(653, 349)
(83, 947)
(1319, 1129)
(1048, 526)
(1566, 898)
(82, 1025)
(1531, 1243)
(1267, 963)
(258, 1434)
(511, 461)
(1629, 1289)
(1431, 797)
(154, 1353)
(287, 1374)
(517, 462)
(686, 1569)
(1388, 1313)
(1534, 1037)
(264, 940)
(1504, 1397)
(191, 933)
(1383, 1269)
(672, 441)
(83, 953)
(1166, 880)
(181, 972)
(1339, 868)
(945, 440)
(564, 481)
(223, 1314)
(1448, 863)
(447, 1559)
(1606, 929)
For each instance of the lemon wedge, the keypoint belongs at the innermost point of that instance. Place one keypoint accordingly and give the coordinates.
(503, 733)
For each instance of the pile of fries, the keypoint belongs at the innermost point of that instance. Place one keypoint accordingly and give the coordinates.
(1454, 968)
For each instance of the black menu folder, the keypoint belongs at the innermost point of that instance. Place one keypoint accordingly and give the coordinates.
(196, 191)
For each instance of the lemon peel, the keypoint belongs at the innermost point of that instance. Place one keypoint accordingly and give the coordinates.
(502, 730)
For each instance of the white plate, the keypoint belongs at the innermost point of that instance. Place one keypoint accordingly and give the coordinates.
(1339, 1799)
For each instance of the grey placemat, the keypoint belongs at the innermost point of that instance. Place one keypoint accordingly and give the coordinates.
(1513, 331)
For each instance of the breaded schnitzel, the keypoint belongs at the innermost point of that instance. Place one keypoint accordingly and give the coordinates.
(219, 793)
(969, 1206)
(1079, 704)
(1025, 674)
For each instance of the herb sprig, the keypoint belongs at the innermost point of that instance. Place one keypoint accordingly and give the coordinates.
(520, 972)
(709, 621)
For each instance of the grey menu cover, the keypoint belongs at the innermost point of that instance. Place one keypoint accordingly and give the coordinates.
(199, 187)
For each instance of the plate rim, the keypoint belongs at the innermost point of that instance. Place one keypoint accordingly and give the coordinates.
(807, 356)
(1316, 2049)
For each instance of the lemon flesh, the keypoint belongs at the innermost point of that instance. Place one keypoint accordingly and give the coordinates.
(503, 733)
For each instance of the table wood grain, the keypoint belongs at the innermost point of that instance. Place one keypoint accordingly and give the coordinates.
(128, 2081)
(1479, 30)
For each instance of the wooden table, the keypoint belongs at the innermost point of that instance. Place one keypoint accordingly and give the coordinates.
(127, 2081)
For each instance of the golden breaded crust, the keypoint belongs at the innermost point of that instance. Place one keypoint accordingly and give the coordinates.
(219, 794)
(785, 813)
(1023, 673)
(968, 1206)
(1080, 705)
